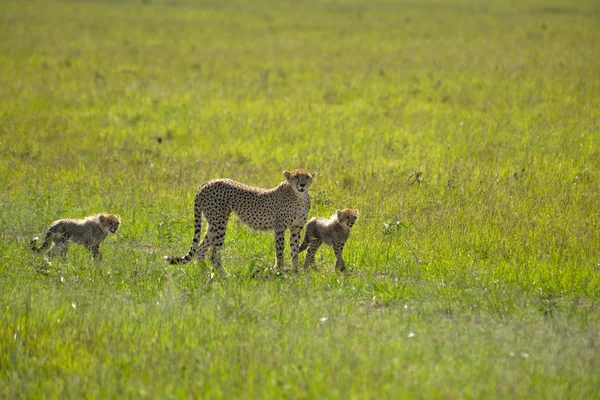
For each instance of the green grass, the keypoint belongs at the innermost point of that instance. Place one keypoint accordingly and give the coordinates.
(481, 282)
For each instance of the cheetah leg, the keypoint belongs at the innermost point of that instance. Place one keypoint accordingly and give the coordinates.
(217, 242)
(206, 243)
(61, 246)
(312, 251)
(279, 244)
(295, 232)
(95, 250)
(215, 258)
(338, 249)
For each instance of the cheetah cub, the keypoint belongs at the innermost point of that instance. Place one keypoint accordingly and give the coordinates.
(89, 232)
(333, 232)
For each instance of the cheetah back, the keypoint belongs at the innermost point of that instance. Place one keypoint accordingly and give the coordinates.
(261, 209)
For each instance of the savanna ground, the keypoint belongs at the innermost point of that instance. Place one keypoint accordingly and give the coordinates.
(479, 279)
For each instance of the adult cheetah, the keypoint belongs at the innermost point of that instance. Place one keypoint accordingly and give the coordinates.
(283, 207)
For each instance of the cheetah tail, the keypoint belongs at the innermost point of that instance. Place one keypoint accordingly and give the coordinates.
(304, 244)
(44, 246)
(188, 257)
(33, 244)
(194, 249)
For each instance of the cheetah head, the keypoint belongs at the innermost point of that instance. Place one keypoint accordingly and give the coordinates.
(347, 217)
(299, 179)
(110, 222)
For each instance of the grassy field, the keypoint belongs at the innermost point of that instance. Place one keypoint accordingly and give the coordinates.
(481, 280)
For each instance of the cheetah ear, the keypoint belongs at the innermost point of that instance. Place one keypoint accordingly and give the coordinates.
(119, 217)
(338, 213)
(286, 174)
(102, 218)
(313, 175)
(357, 211)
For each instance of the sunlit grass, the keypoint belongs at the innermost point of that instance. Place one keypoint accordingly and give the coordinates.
(478, 280)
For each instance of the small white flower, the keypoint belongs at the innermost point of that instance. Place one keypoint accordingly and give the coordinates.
(74, 306)
(411, 334)
(524, 355)
(324, 319)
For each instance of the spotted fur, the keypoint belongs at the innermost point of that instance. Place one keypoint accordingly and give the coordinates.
(333, 232)
(89, 232)
(283, 207)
